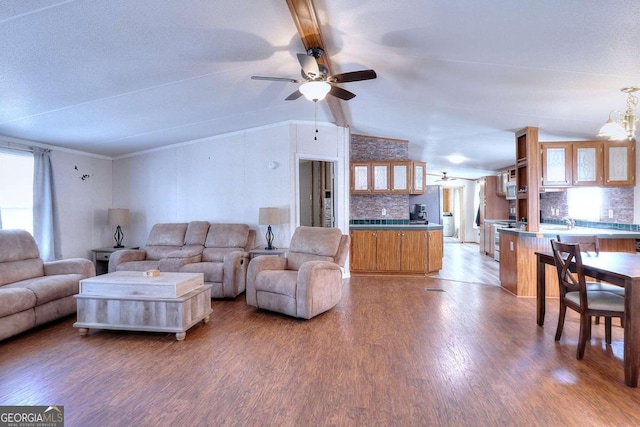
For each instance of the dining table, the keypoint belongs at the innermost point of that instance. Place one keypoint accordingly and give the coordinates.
(617, 268)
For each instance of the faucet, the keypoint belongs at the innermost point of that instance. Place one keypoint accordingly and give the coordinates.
(571, 223)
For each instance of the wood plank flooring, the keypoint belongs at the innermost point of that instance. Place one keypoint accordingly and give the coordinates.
(430, 351)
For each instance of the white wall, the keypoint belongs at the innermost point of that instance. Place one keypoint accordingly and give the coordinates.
(227, 179)
(82, 204)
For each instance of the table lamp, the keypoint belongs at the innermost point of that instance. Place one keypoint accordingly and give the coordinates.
(269, 217)
(118, 217)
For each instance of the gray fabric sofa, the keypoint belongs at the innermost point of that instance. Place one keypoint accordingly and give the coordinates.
(220, 251)
(305, 283)
(34, 292)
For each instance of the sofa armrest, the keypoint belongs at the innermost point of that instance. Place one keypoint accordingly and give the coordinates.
(319, 286)
(80, 266)
(234, 280)
(177, 259)
(125, 255)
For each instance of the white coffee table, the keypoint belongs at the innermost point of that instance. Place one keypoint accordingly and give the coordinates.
(128, 300)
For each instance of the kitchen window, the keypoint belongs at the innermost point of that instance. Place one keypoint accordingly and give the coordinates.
(585, 203)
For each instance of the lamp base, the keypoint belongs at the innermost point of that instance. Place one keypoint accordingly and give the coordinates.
(118, 235)
(269, 237)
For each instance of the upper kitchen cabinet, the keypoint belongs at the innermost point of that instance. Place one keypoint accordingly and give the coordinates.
(402, 177)
(619, 163)
(370, 177)
(556, 164)
(587, 163)
(419, 177)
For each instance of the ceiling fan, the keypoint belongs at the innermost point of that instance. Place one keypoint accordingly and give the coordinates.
(445, 178)
(316, 83)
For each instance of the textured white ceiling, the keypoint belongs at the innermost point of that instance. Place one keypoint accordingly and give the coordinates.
(118, 76)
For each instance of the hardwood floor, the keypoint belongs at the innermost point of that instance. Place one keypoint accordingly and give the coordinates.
(428, 351)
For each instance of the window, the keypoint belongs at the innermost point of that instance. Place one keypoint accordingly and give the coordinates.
(16, 190)
(585, 203)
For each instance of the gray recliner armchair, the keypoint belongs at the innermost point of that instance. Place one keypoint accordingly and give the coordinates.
(305, 283)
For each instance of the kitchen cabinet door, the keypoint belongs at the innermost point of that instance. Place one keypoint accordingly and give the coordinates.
(360, 177)
(414, 251)
(619, 163)
(587, 163)
(556, 164)
(418, 177)
(435, 250)
(389, 250)
(400, 177)
(380, 177)
(363, 250)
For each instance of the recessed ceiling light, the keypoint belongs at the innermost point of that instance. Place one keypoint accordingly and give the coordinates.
(456, 159)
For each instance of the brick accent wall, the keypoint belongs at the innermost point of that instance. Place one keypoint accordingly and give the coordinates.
(369, 206)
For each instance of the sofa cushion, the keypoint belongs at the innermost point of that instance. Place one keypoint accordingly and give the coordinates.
(227, 236)
(213, 271)
(137, 265)
(171, 234)
(158, 252)
(50, 288)
(15, 271)
(277, 282)
(196, 233)
(15, 300)
(316, 241)
(217, 254)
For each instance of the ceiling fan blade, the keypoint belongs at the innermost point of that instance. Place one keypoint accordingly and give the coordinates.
(353, 76)
(295, 95)
(309, 65)
(338, 92)
(275, 79)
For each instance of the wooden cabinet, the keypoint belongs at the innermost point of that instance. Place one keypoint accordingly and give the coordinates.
(504, 177)
(403, 177)
(396, 251)
(400, 177)
(556, 160)
(370, 177)
(487, 239)
(418, 177)
(587, 163)
(528, 178)
(619, 163)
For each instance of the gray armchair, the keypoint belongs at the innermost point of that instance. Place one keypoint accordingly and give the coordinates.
(305, 283)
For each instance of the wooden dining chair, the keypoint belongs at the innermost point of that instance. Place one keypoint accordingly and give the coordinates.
(574, 295)
(591, 244)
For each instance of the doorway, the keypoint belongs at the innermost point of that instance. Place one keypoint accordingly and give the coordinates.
(453, 211)
(316, 189)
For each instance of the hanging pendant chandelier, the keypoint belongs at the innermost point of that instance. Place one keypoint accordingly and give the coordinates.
(625, 126)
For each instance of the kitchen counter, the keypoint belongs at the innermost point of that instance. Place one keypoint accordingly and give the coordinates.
(395, 227)
(518, 260)
(552, 230)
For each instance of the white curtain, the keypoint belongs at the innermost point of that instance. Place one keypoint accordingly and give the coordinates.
(46, 228)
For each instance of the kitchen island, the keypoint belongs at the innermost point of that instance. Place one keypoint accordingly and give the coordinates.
(396, 249)
(518, 259)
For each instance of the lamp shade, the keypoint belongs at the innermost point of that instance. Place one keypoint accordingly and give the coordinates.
(269, 216)
(315, 91)
(118, 217)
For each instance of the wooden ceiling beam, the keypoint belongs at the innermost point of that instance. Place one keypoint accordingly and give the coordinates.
(305, 17)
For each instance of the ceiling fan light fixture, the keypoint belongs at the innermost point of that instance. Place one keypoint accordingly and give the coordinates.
(315, 91)
(625, 127)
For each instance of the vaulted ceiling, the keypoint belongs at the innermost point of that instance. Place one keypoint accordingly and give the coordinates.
(113, 77)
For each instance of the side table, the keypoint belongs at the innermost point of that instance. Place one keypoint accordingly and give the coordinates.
(260, 250)
(101, 258)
